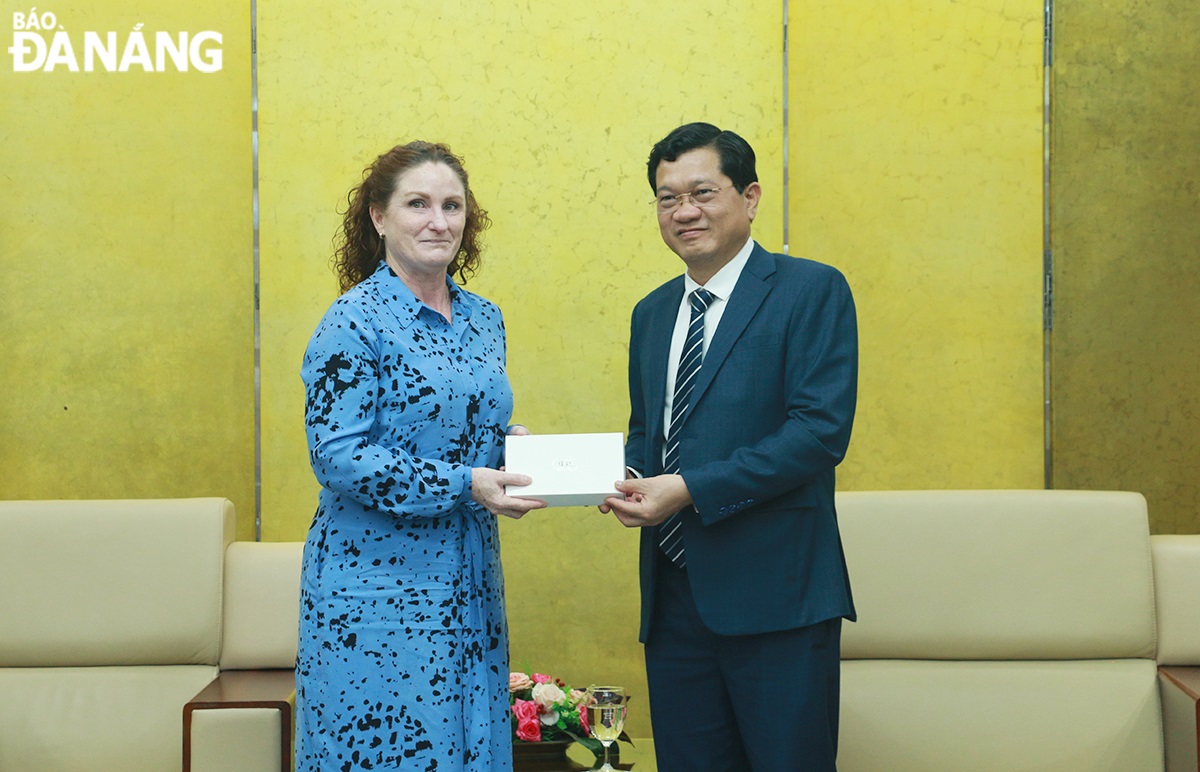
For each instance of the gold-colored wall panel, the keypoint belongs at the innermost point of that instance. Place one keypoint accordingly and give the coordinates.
(126, 267)
(555, 107)
(916, 168)
(1125, 231)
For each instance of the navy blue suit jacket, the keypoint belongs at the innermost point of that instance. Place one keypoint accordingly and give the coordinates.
(768, 421)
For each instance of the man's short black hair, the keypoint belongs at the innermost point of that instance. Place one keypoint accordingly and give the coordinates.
(737, 157)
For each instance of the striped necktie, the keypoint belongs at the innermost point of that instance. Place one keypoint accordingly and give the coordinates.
(670, 535)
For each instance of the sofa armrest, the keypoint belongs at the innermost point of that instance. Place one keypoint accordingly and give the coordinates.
(1176, 576)
(242, 720)
(1180, 688)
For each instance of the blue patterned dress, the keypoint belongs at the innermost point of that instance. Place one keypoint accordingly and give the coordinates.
(403, 651)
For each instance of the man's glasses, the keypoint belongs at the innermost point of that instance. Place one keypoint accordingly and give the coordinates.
(699, 197)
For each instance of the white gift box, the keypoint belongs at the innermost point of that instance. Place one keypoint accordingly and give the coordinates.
(568, 470)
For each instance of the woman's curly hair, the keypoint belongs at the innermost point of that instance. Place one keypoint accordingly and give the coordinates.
(359, 247)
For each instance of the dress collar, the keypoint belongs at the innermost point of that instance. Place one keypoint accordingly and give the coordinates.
(395, 295)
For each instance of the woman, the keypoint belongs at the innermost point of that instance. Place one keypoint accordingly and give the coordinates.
(403, 652)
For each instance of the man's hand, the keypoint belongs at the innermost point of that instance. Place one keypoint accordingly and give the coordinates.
(648, 501)
(629, 475)
(487, 488)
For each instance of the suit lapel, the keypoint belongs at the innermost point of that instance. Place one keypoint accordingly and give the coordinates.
(660, 326)
(748, 294)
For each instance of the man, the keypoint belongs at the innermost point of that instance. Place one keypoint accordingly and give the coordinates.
(742, 401)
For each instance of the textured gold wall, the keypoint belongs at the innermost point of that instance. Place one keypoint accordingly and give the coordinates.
(1125, 229)
(126, 268)
(916, 149)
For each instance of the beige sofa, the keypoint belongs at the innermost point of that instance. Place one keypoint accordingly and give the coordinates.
(1005, 630)
(115, 615)
(1177, 600)
(243, 719)
(999, 630)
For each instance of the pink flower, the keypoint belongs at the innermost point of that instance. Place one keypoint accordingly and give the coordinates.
(529, 731)
(529, 728)
(583, 719)
(540, 678)
(518, 682)
(524, 709)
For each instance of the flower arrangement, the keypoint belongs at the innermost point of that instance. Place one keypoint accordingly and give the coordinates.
(546, 709)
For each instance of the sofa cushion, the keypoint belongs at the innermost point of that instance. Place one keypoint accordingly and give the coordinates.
(926, 716)
(66, 719)
(112, 582)
(977, 575)
(237, 739)
(262, 605)
(1176, 584)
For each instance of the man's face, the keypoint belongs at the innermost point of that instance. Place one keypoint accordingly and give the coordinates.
(705, 236)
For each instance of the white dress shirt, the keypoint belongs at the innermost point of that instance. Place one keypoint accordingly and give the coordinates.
(721, 286)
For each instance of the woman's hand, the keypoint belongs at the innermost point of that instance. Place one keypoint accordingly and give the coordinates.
(487, 488)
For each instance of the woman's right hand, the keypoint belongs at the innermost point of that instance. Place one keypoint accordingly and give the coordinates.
(487, 489)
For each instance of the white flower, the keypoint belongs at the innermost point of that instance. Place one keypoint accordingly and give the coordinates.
(548, 695)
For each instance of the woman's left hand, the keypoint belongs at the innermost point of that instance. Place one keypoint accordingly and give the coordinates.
(487, 488)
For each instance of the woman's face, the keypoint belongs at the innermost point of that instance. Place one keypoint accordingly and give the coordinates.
(424, 220)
